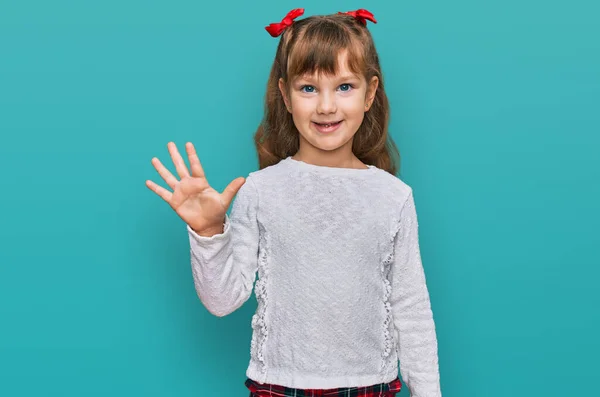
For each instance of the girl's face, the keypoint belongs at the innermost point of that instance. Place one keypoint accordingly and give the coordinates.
(328, 110)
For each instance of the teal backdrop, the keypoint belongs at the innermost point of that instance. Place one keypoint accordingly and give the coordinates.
(495, 110)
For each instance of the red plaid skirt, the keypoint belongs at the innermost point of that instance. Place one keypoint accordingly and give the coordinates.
(269, 390)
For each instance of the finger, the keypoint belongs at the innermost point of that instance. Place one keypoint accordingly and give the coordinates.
(164, 173)
(161, 191)
(195, 165)
(178, 160)
(231, 190)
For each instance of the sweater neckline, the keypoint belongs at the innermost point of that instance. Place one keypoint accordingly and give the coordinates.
(330, 170)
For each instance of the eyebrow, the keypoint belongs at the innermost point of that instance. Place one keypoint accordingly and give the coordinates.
(345, 77)
(349, 77)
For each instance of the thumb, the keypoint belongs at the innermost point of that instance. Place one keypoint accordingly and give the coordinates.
(232, 189)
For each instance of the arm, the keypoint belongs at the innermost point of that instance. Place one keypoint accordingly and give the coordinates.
(224, 265)
(411, 308)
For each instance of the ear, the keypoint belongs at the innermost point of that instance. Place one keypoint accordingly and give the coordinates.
(371, 90)
(282, 89)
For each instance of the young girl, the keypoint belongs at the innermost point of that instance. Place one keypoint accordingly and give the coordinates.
(330, 229)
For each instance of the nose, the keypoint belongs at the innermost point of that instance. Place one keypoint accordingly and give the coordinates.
(326, 103)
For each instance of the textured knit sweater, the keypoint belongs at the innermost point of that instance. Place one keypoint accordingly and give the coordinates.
(341, 290)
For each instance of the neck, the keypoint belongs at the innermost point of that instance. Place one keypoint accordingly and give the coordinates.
(340, 160)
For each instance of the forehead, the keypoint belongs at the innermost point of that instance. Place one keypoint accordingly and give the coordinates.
(342, 70)
(325, 48)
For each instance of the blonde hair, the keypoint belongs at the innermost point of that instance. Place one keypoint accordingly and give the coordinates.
(312, 45)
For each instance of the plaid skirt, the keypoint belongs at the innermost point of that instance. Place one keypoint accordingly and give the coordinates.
(269, 390)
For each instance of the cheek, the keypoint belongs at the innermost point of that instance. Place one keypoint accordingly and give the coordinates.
(300, 114)
(302, 108)
(355, 107)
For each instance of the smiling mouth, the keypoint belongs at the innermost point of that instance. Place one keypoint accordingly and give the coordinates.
(327, 124)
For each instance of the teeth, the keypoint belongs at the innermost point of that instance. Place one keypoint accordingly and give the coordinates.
(328, 125)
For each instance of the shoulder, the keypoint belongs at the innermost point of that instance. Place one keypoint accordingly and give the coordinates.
(395, 187)
(268, 175)
(260, 181)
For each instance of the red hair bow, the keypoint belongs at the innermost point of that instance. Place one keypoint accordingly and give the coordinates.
(361, 15)
(275, 29)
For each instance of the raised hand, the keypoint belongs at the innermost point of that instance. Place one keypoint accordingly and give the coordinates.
(199, 205)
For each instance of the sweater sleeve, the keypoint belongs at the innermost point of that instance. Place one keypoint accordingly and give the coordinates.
(224, 265)
(411, 309)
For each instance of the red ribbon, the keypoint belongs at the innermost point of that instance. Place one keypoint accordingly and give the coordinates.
(275, 29)
(361, 15)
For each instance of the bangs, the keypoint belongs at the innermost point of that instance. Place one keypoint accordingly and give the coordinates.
(318, 48)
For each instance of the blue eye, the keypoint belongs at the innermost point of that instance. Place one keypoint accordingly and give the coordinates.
(307, 86)
(346, 85)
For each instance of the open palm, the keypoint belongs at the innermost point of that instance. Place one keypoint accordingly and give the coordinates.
(192, 198)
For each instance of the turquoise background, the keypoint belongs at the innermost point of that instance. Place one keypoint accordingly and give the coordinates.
(495, 109)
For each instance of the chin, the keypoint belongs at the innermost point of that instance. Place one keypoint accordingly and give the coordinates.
(328, 143)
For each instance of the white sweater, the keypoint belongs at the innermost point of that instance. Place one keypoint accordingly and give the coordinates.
(341, 291)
